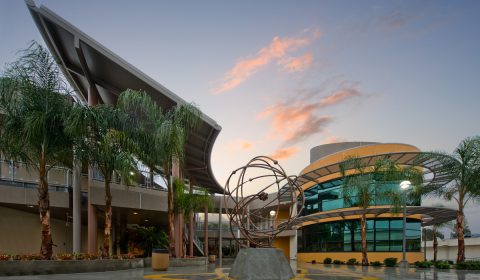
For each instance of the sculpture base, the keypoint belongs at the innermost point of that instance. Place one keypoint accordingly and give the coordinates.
(261, 264)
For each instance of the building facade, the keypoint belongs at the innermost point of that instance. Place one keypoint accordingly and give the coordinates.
(330, 226)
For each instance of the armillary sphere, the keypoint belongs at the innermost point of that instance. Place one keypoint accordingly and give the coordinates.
(261, 201)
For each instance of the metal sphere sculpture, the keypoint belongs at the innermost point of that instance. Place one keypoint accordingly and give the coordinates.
(254, 196)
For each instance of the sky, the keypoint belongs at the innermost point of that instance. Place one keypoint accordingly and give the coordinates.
(281, 77)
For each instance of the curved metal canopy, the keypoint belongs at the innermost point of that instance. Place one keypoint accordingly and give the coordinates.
(90, 67)
(430, 215)
(437, 168)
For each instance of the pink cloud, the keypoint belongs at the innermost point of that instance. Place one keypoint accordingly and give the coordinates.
(245, 145)
(293, 122)
(284, 153)
(278, 48)
(297, 119)
(297, 64)
(241, 144)
(339, 96)
(333, 139)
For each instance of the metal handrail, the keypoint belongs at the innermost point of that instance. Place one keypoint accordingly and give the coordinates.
(19, 174)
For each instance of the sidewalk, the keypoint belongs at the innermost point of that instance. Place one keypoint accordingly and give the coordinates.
(304, 271)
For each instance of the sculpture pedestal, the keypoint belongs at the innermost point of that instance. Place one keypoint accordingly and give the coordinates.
(261, 264)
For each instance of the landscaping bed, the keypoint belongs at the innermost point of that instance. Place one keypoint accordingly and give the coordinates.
(33, 267)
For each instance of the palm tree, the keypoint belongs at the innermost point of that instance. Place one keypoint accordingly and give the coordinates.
(34, 102)
(161, 138)
(100, 141)
(465, 186)
(187, 203)
(363, 187)
(145, 118)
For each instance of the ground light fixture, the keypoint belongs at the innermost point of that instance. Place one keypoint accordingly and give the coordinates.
(135, 213)
(404, 185)
(272, 213)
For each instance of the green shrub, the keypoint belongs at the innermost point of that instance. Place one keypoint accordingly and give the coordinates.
(470, 265)
(375, 263)
(327, 261)
(338, 262)
(424, 264)
(442, 265)
(351, 261)
(390, 262)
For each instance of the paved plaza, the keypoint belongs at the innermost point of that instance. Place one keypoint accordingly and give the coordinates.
(304, 271)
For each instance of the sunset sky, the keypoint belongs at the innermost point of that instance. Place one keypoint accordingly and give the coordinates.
(281, 77)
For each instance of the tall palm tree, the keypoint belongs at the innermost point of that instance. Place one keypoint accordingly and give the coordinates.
(100, 141)
(161, 137)
(465, 186)
(34, 102)
(363, 187)
(145, 118)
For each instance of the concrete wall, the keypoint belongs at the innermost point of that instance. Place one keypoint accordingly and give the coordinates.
(29, 196)
(130, 197)
(283, 243)
(447, 249)
(20, 233)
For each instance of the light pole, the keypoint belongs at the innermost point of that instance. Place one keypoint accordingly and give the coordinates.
(404, 185)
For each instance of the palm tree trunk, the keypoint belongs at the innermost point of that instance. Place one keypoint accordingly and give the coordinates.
(44, 209)
(460, 237)
(171, 217)
(108, 219)
(435, 243)
(151, 178)
(363, 224)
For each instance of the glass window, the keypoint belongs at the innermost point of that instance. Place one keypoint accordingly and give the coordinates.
(383, 235)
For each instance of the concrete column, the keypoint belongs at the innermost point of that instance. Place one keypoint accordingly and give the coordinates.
(205, 232)
(294, 239)
(76, 207)
(92, 211)
(220, 231)
(190, 227)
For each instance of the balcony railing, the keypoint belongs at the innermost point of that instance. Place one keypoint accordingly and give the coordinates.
(23, 175)
(19, 174)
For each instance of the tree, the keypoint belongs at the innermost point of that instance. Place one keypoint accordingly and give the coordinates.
(465, 186)
(364, 186)
(34, 102)
(100, 141)
(188, 202)
(151, 237)
(161, 138)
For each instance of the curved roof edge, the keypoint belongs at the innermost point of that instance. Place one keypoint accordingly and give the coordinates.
(429, 215)
(90, 67)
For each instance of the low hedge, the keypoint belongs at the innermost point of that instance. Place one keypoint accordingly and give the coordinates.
(338, 262)
(352, 261)
(442, 265)
(470, 265)
(423, 264)
(390, 262)
(65, 257)
(376, 263)
(327, 261)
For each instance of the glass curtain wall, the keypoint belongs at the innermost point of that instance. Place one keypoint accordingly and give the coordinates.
(383, 235)
(328, 196)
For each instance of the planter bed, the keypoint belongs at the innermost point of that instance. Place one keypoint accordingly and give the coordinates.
(32, 267)
(197, 261)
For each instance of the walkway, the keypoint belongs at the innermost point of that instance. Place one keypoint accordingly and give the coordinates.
(304, 272)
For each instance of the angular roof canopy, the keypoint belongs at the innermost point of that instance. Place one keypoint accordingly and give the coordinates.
(89, 66)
